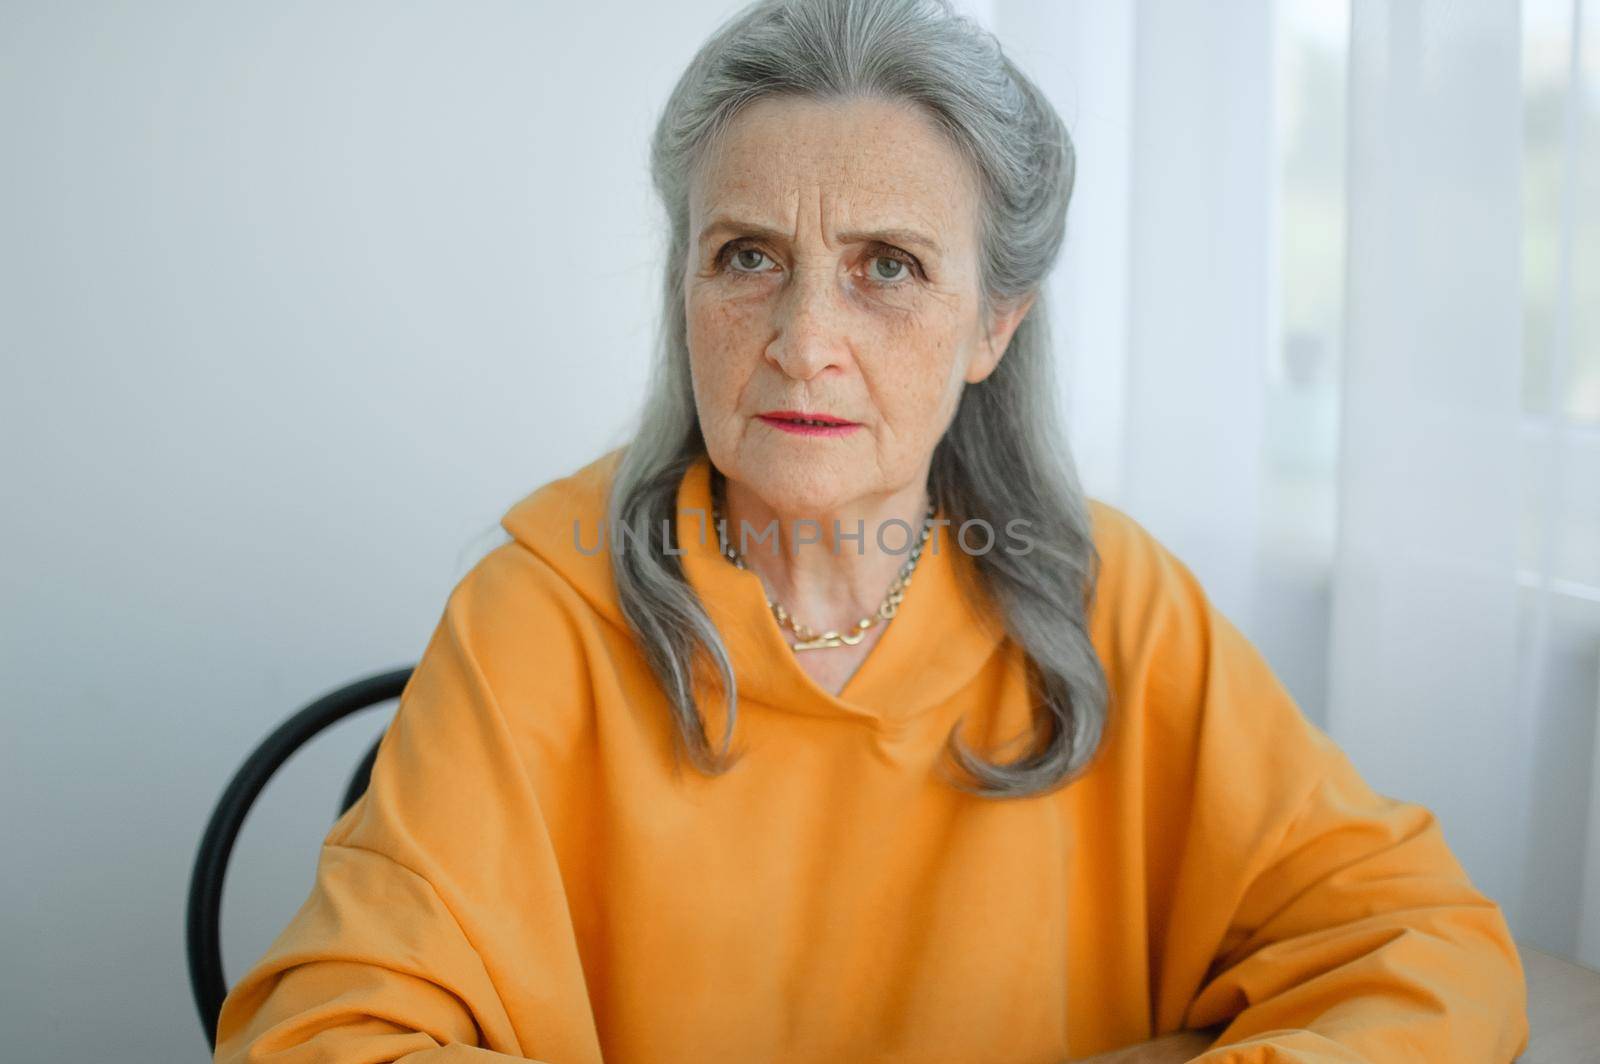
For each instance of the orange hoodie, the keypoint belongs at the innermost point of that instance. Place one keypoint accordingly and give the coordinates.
(527, 877)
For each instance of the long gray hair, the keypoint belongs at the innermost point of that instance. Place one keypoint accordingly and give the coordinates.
(1004, 455)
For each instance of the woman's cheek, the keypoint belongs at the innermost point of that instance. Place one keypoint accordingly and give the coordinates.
(917, 392)
(719, 364)
(721, 325)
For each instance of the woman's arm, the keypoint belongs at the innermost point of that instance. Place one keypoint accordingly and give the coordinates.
(338, 984)
(1364, 939)
(1310, 917)
(437, 928)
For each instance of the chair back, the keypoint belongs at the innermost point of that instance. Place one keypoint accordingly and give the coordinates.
(216, 845)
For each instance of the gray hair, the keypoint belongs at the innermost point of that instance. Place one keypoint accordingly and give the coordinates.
(1003, 457)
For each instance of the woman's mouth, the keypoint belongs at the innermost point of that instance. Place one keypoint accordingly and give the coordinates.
(801, 423)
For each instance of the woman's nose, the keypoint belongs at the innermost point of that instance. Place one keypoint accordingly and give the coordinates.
(811, 335)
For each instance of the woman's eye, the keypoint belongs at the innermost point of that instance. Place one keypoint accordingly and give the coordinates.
(747, 260)
(888, 268)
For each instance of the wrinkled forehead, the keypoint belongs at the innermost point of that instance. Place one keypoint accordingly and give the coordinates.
(862, 162)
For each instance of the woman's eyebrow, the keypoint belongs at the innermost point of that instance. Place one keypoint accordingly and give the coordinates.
(893, 235)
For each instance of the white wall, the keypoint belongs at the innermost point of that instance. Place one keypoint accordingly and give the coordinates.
(296, 299)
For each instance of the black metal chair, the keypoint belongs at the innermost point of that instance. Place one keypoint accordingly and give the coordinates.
(216, 845)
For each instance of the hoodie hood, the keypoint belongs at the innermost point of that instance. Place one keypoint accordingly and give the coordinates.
(561, 521)
(935, 645)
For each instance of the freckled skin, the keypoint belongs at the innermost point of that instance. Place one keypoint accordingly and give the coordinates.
(884, 333)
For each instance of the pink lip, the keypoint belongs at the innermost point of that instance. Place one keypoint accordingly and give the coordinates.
(786, 421)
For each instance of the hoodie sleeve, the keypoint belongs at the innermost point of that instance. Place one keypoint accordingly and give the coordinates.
(1318, 920)
(1362, 939)
(437, 899)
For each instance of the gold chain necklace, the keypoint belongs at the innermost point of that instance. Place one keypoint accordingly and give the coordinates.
(809, 638)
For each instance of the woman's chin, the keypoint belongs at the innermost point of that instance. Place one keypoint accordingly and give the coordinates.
(786, 489)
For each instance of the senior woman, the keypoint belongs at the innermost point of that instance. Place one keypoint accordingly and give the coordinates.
(992, 779)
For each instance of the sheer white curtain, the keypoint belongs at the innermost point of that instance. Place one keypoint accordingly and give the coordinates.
(1559, 546)
(1423, 656)
(1327, 317)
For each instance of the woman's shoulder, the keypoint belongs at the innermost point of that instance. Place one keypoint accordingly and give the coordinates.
(538, 592)
(531, 613)
(1150, 615)
(1135, 565)
(1169, 649)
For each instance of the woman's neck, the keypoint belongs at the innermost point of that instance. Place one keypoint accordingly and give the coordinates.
(823, 581)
